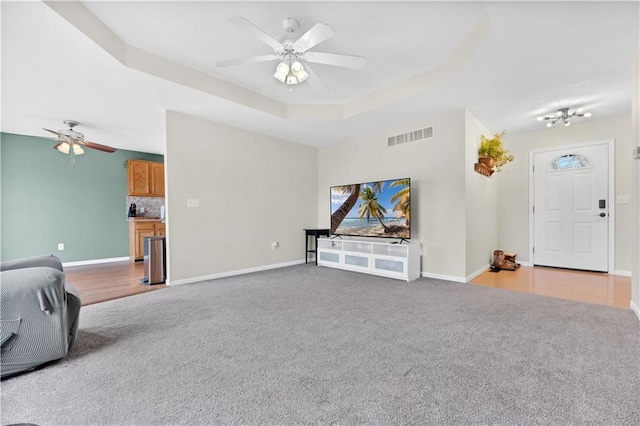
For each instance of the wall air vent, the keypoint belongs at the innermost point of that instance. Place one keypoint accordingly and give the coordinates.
(413, 136)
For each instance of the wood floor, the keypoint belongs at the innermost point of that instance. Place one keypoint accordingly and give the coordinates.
(98, 283)
(107, 281)
(591, 287)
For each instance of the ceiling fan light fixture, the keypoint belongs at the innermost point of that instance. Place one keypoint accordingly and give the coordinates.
(72, 143)
(291, 50)
(299, 72)
(587, 114)
(567, 123)
(64, 147)
(290, 73)
(72, 134)
(296, 67)
(282, 70)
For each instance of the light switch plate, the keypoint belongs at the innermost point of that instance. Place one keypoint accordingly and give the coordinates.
(193, 203)
(623, 199)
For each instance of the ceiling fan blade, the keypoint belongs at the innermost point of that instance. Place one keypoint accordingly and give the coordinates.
(249, 60)
(316, 35)
(241, 22)
(347, 61)
(98, 146)
(316, 82)
(54, 132)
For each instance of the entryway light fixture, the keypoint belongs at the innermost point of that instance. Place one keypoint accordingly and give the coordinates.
(290, 73)
(564, 115)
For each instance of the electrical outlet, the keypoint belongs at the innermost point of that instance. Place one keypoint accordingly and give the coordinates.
(193, 202)
(60, 246)
(275, 245)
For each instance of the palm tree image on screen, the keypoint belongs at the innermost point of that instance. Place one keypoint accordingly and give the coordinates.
(373, 209)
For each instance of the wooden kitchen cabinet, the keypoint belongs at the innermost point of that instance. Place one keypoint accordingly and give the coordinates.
(157, 179)
(138, 177)
(138, 231)
(145, 178)
(159, 229)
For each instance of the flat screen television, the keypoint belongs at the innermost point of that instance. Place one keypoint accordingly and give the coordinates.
(372, 209)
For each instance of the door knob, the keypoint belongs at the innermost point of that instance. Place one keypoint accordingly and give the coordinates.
(603, 214)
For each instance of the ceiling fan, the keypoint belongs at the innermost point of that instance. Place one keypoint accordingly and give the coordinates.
(294, 55)
(72, 142)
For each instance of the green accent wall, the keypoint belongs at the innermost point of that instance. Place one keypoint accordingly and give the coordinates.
(46, 200)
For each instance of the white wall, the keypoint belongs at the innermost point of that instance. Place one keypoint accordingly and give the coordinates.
(481, 203)
(436, 167)
(513, 185)
(253, 190)
(635, 142)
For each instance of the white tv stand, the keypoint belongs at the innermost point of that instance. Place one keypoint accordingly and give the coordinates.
(400, 261)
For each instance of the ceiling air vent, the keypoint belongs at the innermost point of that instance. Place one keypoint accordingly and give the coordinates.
(413, 136)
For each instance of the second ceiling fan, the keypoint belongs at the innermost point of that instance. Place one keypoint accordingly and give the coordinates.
(294, 55)
(72, 142)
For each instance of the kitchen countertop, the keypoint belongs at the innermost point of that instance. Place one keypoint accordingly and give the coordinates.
(144, 219)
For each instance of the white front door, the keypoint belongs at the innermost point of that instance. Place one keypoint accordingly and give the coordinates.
(571, 208)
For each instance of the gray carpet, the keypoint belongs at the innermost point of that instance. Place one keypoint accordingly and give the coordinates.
(309, 345)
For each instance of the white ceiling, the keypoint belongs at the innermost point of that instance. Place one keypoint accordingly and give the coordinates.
(507, 62)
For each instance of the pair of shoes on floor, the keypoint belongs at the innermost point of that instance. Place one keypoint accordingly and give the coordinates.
(504, 261)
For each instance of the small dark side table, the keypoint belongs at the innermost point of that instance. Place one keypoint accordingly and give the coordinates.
(313, 233)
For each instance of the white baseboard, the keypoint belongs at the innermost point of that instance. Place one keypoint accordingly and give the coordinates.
(455, 278)
(478, 272)
(444, 277)
(233, 273)
(95, 261)
(616, 272)
(635, 309)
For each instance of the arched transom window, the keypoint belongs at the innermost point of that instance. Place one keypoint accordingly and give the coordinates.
(569, 161)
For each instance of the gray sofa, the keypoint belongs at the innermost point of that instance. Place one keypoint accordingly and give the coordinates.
(39, 313)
